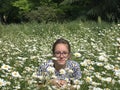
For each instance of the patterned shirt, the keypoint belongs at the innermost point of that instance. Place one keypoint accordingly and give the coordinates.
(71, 71)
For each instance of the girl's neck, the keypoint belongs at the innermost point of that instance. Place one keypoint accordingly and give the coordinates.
(58, 67)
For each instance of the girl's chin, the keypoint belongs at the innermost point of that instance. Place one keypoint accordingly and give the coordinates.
(61, 62)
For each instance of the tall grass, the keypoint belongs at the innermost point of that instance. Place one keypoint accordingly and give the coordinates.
(25, 46)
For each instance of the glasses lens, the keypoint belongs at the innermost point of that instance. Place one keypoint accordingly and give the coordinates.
(61, 53)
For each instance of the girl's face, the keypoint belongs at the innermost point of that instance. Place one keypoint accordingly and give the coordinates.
(61, 53)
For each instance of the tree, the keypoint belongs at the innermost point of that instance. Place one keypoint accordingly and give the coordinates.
(5, 10)
(106, 9)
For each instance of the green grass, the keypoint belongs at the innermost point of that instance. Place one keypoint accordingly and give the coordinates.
(24, 46)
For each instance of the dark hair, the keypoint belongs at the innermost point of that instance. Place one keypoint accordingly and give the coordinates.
(59, 41)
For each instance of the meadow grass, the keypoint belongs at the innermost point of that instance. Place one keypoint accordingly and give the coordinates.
(23, 47)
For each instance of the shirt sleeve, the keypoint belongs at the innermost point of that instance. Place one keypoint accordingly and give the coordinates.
(42, 69)
(77, 71)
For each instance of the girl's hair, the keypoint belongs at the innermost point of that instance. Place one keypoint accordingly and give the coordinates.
(61, 41)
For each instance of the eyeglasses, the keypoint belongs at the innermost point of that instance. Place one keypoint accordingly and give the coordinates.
(58, 54)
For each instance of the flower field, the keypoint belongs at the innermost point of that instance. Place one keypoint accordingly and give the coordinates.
(96, 47)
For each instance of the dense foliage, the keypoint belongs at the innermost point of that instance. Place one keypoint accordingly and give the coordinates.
(58, 10)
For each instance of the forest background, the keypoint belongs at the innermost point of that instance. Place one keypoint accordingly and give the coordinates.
(17, 11)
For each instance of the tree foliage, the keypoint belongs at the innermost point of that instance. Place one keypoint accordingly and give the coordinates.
(106, 9)
(23, 5)
(7, 11)
(56, 10)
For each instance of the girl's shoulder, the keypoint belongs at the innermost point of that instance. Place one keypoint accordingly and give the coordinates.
(72, 63)
(47, 63)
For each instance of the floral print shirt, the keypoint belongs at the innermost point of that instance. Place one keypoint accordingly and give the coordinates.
(71, 71)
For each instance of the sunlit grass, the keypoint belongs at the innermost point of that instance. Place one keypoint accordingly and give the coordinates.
(24, 47)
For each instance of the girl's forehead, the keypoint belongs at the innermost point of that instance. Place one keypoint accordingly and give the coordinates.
(61, 47)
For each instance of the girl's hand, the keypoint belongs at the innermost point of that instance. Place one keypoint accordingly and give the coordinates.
(58, 83)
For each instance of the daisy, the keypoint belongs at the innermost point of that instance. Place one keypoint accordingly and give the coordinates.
(2, 82)
(62, 71)
(16, 74)
(5, 67)
(77, 55)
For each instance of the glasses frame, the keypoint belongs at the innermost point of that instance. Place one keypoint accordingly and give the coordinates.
(64, 54)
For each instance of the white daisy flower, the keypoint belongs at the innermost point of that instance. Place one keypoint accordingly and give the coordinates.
(51, 69)
(118, 39)
(40, 77)
(77, 54)
(88, 79)
(51, 63)
(62, 71)
(76, 82)
(2, 82)
(5, 67)
(70, 71)
(77, 87)
(53, 76)
(16, 74)
(54, 58)
(34, 75)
